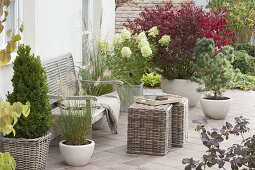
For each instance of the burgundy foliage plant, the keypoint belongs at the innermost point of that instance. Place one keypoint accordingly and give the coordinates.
(185, 24)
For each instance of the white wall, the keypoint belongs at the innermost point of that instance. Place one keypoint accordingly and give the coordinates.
(201, 2)
(54, 27)
(108, 19)
(104, 11)
(57, 27)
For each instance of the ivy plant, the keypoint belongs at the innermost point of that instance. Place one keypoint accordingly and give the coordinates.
(5, 54)
(241, 155)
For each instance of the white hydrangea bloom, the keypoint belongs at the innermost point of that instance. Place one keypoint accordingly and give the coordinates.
(146, 51)
(116, 40)
(125, 34)
(141, 36)
(153, 32)
(126, 52)
(143, 43)
(164, 41)
(104, 45)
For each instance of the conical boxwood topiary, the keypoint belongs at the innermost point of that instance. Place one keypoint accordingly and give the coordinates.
(30, 84)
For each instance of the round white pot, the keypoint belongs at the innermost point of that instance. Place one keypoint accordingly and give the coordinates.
(215, 109)
(77, 155)
(182, 87)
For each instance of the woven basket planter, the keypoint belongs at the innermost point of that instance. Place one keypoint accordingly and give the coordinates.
(29, 154)
(149, 129)
(180, 123)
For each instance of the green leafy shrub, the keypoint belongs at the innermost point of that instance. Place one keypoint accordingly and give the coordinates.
(240, 16)
(250, 49)
(214, 71)
(244, 62)
(30, 84)
(242, 81)
(151, 79)
(75, 123)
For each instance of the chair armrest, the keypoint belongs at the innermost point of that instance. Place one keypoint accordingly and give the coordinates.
(117, 82)
(114, 83)
(59, 97)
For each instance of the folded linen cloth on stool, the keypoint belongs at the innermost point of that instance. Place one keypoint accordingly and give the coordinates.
(111, 103)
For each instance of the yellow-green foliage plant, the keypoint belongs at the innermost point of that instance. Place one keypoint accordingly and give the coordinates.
(151, 79)
(9, 115)
(5, 54)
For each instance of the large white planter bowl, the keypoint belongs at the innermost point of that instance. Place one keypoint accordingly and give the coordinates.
(215, 109)
(182, 87)
(78, 155)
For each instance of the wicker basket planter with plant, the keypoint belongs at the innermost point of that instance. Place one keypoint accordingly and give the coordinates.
(75, 123)
(216, 73)
(31, 144)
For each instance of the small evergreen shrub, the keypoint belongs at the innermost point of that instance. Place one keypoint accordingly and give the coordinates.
(29, 84)
(215, 71)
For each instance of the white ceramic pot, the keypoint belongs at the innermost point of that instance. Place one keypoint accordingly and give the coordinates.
(182, 87)
(77, 155)
(215, 109)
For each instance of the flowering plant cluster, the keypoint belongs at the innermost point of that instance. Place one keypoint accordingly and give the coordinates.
(184, 25)
(129, 55)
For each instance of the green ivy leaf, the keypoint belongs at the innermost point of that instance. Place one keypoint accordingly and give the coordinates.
(16, 38)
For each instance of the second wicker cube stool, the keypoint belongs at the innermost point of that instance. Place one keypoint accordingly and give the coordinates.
(149, 129)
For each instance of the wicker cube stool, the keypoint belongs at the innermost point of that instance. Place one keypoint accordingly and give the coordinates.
(149, 129)
(180, 123)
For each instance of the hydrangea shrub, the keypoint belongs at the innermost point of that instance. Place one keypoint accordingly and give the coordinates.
(130, 55)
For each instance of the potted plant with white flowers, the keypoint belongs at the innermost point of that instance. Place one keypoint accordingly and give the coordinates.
(129, 58)
(216, 73)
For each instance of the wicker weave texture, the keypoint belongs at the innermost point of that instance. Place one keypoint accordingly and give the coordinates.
(180, 123)
(149, 129)
(29, 154)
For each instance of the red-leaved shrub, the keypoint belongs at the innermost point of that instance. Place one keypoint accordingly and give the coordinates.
(185, 24)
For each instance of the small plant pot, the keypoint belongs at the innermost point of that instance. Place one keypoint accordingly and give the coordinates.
(182, 87)
(216, 109)
(77, 155)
